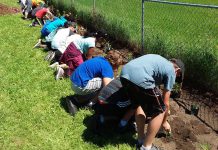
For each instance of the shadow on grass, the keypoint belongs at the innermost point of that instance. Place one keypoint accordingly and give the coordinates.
(107, 134)
(63, 104)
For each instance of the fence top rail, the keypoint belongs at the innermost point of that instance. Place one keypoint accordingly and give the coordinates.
(182, 3)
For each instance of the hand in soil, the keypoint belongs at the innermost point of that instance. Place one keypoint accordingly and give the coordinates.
(167, 128)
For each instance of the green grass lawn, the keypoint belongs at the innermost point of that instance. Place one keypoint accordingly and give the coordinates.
(31, 116)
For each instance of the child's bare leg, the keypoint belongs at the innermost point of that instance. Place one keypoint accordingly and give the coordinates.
(140, 122)
(153, 128)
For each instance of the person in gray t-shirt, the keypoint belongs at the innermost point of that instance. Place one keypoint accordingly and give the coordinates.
(141, 78)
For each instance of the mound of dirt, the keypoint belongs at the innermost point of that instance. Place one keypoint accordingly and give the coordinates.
(188, 132)
(7, 10)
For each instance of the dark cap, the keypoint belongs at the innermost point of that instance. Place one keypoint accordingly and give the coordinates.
(70, 24)
(181, 65)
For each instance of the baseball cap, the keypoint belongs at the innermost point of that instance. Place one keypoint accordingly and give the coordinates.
(181, 65)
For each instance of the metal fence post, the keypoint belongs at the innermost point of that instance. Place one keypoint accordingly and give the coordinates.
(142, 28)
(93, 7)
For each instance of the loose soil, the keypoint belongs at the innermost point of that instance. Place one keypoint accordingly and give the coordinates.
(7, 10)
(189, 132)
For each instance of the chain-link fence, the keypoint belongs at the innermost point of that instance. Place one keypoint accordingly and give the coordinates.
(176, 27)
(172, 29)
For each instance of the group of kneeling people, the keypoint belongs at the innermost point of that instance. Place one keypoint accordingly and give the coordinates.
(134, 93)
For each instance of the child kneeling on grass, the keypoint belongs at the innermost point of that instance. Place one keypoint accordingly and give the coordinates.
(114, 105)
(40, 15)
(26, 7)
(89, 78)
(51, 26)
(78, 51)
(58, 42)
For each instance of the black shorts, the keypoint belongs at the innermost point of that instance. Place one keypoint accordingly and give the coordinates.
(151, 100)
(113, 101)
(111, 110)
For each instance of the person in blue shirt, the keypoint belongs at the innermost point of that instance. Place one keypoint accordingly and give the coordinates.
(91, 76)
(53, 25)
(50, 27)
(141, 78)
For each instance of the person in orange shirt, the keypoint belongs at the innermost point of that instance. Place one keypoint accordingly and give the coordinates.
(36, 3)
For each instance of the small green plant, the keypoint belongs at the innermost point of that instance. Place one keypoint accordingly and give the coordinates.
(176, 92)
(194, 109)
(205, 146)
(176, 87)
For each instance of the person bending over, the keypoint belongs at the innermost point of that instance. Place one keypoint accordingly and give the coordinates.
(91, 76)
(141, 78)
(78, 51)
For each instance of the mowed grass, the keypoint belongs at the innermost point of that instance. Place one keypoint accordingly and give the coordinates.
(31, 116)
(189, 33)
(170, 21)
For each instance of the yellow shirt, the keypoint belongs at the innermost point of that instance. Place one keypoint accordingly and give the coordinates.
(37, 2)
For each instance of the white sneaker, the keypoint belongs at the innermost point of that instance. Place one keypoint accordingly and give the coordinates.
(37, 45)
(54, 65)
(60, 73)
(50, 56)
(64, 66)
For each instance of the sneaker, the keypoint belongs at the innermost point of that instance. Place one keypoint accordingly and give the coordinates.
(90, 104)
(47, 56)
(50, 56)
(64, 66)
(37, 45)
(54, 65)
(27, 18)
(71, 107)
(60, 73)
(152, 148)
